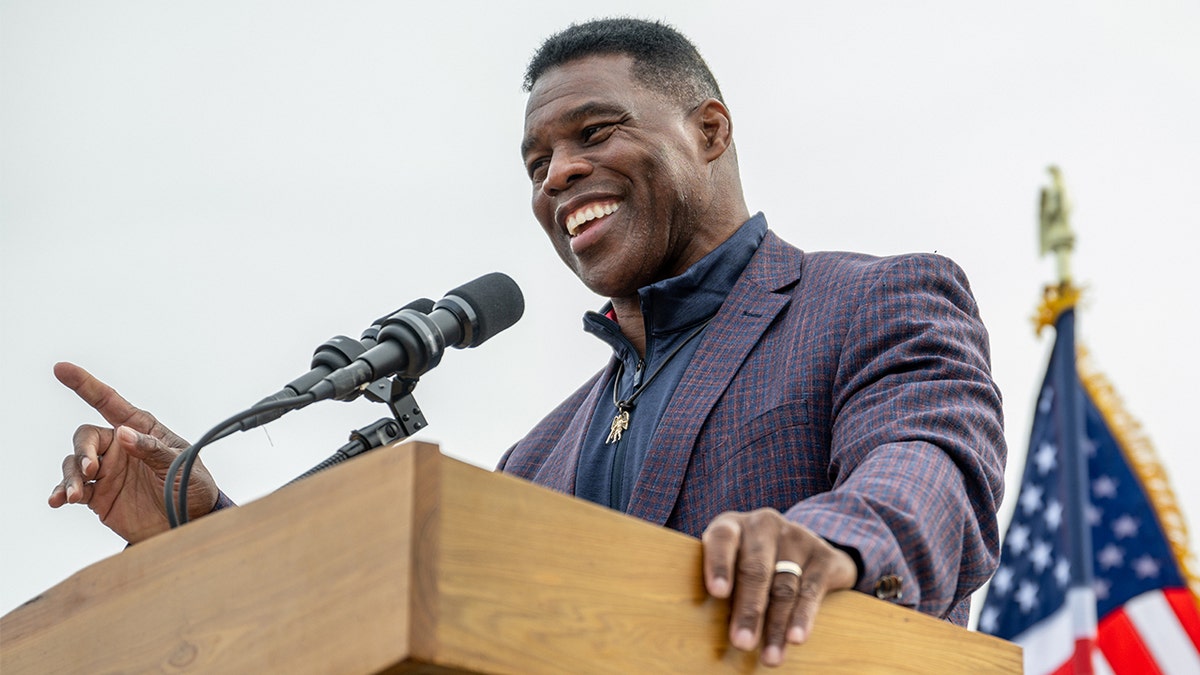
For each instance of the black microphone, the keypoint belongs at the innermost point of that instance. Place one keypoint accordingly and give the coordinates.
(410, 343)
(368, 337)
(336, 352)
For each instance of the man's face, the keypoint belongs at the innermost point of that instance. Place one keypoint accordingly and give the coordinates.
(618, 174)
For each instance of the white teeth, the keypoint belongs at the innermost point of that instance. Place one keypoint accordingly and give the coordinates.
(588, 214)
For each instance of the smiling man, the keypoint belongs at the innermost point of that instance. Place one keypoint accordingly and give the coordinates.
(822, 420)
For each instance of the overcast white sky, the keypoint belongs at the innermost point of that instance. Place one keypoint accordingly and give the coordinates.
(194, 195)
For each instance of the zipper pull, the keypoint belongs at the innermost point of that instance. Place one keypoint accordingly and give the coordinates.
(637, 373)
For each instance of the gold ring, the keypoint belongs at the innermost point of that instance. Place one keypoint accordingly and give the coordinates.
(788, 567)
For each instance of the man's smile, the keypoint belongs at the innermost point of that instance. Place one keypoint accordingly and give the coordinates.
(587, 213)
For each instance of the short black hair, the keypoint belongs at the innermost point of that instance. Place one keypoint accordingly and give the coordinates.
(664, 59)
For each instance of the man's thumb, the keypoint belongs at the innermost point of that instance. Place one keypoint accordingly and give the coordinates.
(145, 447)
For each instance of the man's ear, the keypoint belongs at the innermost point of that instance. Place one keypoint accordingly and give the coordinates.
(715, 126)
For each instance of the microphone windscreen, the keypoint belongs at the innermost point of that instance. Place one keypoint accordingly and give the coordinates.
(497, 302)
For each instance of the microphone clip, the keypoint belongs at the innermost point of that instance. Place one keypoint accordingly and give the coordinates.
(396, 394)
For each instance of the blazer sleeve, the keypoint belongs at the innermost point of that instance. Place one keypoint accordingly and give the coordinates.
(917, 448)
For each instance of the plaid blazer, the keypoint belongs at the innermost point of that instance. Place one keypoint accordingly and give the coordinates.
(851, 393)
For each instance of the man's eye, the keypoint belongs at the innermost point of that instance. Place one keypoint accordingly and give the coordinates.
(595, 132)
(537, 169)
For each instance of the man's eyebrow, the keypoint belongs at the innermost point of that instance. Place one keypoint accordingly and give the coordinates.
(574, 115)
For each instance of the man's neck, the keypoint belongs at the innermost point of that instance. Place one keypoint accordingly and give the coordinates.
(629, 318)
(628, 310)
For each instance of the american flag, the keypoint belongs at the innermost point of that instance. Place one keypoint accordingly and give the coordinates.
(1133, 611)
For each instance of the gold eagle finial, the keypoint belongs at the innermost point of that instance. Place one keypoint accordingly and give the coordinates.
(1056, 234)
(1057, 237)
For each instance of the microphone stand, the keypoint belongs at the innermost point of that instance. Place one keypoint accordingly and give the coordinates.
(407, 419)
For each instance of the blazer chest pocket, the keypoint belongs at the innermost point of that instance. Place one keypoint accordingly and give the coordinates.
(774, 434)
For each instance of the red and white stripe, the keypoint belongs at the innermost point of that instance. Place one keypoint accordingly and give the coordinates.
(1156, 632)
(1063, 641)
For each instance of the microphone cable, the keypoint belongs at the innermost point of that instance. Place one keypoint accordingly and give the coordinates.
(176, 508)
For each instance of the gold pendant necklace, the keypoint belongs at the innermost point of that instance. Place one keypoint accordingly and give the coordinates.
(624, 407)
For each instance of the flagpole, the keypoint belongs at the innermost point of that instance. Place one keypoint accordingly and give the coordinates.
(1059, 308)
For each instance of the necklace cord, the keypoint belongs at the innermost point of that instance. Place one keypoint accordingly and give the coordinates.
(626, 404)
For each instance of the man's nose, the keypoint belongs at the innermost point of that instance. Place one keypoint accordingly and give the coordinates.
(565, 168)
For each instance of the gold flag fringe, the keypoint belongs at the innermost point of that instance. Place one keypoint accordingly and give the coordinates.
(1056, 299)
(1142, 458)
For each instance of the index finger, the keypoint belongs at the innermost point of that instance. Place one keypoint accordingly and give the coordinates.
(721, 541)
(112, 406)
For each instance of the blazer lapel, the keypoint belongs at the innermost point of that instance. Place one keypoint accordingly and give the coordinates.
(749, 310)
(562, 463)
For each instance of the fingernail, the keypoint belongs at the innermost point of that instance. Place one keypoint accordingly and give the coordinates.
(720, 587)
(85, 463)
(71, 492)
(128, 435)
(772, 655)
(795, 635)
(743, 639)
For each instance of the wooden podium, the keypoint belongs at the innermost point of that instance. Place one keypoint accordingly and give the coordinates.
(405, 561)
